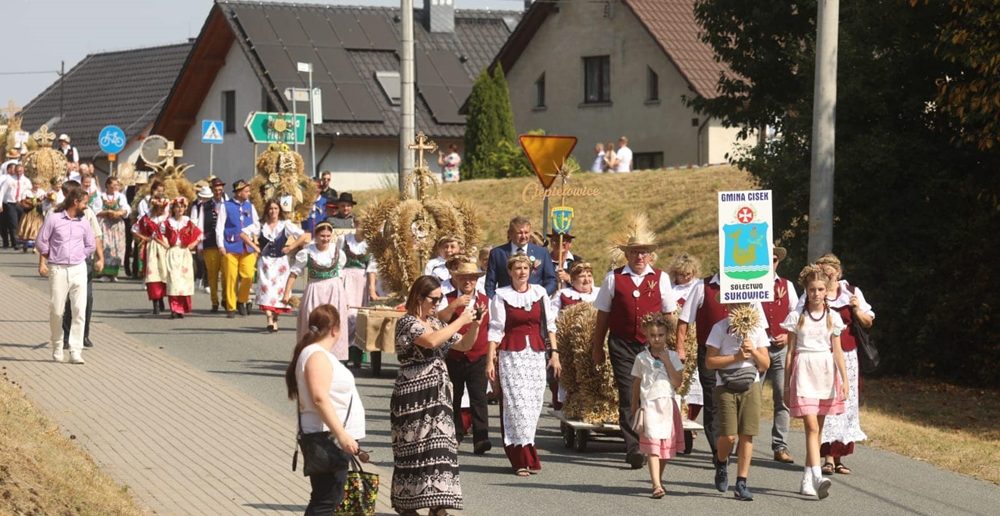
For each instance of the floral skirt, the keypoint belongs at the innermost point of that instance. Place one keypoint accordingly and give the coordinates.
(841, 431)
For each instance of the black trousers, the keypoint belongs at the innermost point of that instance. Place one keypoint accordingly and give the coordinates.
(706, 377)
(67, 321)
(623, 353)
(327, 493)
(464, 374)
(9, 223)
(130, 256)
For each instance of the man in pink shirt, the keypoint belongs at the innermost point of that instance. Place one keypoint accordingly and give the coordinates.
(64, 242)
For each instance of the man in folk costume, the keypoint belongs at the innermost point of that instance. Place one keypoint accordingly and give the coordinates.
(627, 295)
(776, 311)
(239, 262)
(206, 213)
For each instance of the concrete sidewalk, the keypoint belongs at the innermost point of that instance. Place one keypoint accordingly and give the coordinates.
(182, 441)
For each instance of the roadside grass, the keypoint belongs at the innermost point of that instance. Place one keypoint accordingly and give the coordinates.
(954, 428)
(42, 472)
(680, 204)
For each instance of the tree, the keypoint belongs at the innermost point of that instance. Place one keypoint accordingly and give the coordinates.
(915, 205)
(489, 128)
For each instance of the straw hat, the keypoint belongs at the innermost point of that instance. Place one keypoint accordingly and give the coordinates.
(467, 269)
(637, 234)
(205, 193)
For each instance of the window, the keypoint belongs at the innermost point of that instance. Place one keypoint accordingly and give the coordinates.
(389, 81)
(596, 79)
(229, 111)
(647, 160)
(652, 85)
(540, 92)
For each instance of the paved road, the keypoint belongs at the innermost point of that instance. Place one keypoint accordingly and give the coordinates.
(240, 354)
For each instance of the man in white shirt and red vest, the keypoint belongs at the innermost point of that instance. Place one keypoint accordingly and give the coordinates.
(776, 311)
(627, 294)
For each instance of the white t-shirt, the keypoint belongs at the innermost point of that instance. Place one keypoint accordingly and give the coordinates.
(655, 383)
(343, 395)
(598, 165)
(814, 335)
(607, 290)
(624, 158)
(729, 343)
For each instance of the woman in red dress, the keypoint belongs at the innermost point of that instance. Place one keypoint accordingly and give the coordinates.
(182, 236)
(153, 251)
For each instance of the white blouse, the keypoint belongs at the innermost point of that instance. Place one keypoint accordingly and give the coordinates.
(258, 228)
(360, 248)
(654, 381)
(842, 299)
(814, 335)
(320, 258)
(343, 395)
(508, 296)
(575, 295)
(98, 204)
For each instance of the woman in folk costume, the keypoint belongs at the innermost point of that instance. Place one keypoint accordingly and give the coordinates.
(322, 262)
(272, 238)
(581, 289)
(522, 329)
(112, 209)
(153, 250)
(685, 271)
(182, 236)
(32, 204)
(359, 281)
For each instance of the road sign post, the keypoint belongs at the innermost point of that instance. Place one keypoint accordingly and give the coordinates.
(211, 133)
(546, 154)
(264, 127)
(111, 141)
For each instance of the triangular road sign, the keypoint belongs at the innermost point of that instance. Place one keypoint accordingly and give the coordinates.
(547, 154)
(211, 131)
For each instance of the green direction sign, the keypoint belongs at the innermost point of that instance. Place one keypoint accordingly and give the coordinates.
(265, 127)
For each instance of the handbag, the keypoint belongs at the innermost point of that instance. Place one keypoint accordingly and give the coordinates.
(320, 453)
(360, 492)
(738, 380)
(869, 358)
(639, 422)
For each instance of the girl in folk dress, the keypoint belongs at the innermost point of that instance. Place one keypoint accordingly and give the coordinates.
(815, 386)
(359, 282)
(424, 445)
(517, 358)
(322, 261)
(272, 239)
(657, 375)
(153, 250)
(33, 204)
(182, 236)
(112, 209)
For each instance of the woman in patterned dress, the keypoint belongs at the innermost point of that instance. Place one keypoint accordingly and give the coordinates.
(272, 239)
(182, 236)
(424, 446)
(112, 209)
(522, 321)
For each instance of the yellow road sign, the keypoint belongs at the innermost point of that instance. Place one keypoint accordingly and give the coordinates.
(547, 154)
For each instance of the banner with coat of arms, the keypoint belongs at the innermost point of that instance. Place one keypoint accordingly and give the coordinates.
(746, 237)
(562, 219)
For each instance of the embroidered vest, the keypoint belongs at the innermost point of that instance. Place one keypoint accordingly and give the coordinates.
(710, 312)
(847, 340)
(777, 310)
(318, 273)
(630, 303)
(238, 216)
(523, 327)
(355, 261)
(273, 248)
(566, 301)
(211, 216)
(482, 345)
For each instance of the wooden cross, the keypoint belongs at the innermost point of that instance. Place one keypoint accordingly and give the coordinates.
(170, 153)
(422, 144)
(12, 110)
(43, 137)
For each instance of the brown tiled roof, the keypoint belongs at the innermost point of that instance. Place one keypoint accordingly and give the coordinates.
(672, 25)
(125, 88)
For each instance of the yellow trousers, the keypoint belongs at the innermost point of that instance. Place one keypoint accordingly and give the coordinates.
(213, 266)
(237, 276)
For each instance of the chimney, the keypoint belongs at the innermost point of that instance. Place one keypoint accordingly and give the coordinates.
(440, 15)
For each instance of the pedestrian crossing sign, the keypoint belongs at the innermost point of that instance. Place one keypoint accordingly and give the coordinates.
(211, 131)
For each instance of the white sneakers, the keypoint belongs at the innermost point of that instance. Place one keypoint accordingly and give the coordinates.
(76, 357)
(822, 486)
(817, 486)
(57, 354)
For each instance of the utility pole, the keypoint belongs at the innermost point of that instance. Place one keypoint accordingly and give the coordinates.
(823, 130)
(62, 78)
(406, 96)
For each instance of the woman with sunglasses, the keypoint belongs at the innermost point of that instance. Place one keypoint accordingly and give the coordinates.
(424, 446)
(322, 262)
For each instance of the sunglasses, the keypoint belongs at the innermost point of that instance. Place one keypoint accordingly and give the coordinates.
(435, 300)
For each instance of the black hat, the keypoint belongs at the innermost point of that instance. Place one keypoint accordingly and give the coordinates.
(218, 182)
(567, 236)
(346, 197)
(239, 185)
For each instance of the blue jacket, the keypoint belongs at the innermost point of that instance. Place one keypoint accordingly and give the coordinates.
(496, 269)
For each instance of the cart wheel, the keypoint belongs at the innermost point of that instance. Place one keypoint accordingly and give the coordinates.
(581, 440)
(568, 435)
(376, 359)
(688, 442)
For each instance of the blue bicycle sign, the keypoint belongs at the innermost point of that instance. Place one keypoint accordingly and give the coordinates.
(111, 139)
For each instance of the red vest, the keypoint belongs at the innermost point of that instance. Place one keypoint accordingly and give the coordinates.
(627, 310)
(482, 345)
(710, 312)
(847, 342)
(523, 326)
(566, 301)
(777, 310)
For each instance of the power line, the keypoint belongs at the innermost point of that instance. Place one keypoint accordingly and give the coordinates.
(31, 73)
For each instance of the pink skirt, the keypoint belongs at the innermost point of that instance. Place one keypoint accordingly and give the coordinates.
(325, 292)
(664, 448)
(803, 406)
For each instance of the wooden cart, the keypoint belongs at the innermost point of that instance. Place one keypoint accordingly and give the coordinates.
(576, 434)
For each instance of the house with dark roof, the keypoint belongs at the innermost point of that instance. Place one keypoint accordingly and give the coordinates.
(603, 69)
(126, 88)
(246, 56)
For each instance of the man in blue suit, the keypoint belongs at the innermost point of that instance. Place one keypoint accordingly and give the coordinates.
(518, 236)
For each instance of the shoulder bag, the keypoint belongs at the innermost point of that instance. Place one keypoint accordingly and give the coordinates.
(868, 357)
(320, 453)
(738, 380)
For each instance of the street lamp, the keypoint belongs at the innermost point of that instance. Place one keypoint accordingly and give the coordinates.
(308, 68)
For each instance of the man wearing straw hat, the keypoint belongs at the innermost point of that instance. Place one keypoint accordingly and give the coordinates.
(628, 294)
(775, 313)
(239, 263)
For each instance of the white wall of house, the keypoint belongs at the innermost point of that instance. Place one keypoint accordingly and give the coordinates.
(721, 141)
(578, 30)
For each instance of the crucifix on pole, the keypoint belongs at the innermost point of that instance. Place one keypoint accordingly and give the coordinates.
(170, 153)
(421, 175)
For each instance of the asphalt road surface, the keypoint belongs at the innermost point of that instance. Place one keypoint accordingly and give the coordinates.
(594, 481)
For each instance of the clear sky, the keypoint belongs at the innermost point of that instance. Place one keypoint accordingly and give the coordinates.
(38, 34)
